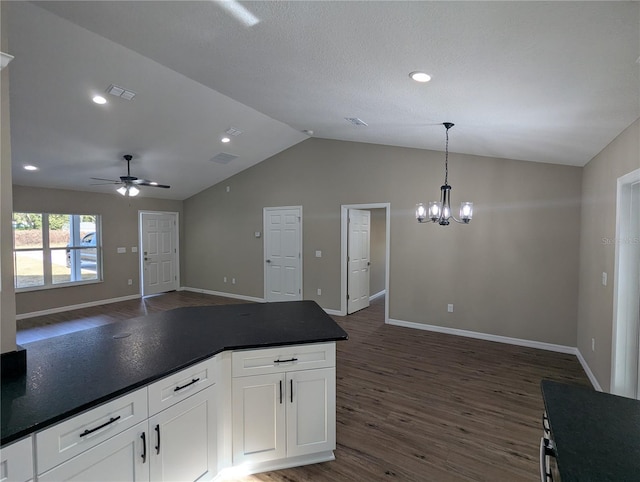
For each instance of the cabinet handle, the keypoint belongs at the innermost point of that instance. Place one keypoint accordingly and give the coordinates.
(280, 392)
(111, 420)
(144, 447)
(285, 361)
(158, 446)
(194, 380)
(291, 390)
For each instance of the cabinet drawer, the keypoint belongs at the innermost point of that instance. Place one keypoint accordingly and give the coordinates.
(176, 387)
(283, 358)
(68, 439)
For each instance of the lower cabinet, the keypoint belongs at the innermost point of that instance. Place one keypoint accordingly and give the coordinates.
(282, 415)
(183, 439)
(16, 461)
(122, 457)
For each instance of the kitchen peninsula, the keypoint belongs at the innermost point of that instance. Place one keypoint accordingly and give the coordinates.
(238, 365)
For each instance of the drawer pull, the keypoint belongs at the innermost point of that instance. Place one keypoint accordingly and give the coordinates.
(280, 392)
(285, 361)
(111, 420)
(194, 380)
(291, 390)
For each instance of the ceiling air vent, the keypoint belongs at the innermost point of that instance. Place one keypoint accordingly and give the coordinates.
(120, 92)
(223, 158)
(356, 121)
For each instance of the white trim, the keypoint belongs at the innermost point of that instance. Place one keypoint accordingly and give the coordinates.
(220, 293)
(587, 370)
(540, 345)
(264, 245)
(377, 295)
(60, 309)
(270, 465)
(344, 215)
(486, 336)
(621, 343)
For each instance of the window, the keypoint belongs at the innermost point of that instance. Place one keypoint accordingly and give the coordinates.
(52, 250)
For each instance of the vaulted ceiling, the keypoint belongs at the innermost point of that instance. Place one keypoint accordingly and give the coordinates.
(547, 82)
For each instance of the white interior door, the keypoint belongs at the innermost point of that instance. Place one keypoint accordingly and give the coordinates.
(159, 257)
(359, 259)
(283, 253)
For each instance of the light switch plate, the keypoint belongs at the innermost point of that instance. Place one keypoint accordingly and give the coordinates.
(122, 250)
(318, 254)
(134, 249)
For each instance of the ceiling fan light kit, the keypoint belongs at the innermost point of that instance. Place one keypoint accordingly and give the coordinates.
(440, 211)
(129, 183)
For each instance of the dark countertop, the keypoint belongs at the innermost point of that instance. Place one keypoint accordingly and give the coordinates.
(597, 435)
(71, 373)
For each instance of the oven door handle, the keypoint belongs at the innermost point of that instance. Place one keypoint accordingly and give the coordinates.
(547, 451)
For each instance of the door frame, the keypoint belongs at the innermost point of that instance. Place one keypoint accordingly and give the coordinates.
(141, 250)
(264, 248)
(344, 250)
(622, 345)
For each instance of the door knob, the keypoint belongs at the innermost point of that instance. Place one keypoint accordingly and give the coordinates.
(268, 261)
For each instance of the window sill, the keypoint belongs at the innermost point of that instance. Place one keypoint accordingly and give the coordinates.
(59, 285)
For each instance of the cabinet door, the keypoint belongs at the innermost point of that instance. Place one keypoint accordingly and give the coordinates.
(16, 461)
(119, 458)
(259, 418)
(183, 439)
(311, 411)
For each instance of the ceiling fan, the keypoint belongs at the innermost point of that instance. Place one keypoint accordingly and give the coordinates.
(129, 182)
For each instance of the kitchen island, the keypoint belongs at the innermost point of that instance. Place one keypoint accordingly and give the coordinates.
(596, 435)
(71, 374)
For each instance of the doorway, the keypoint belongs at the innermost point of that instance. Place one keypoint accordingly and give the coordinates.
(282, 253)
(625, 377)
(159, 253)
(380, 263)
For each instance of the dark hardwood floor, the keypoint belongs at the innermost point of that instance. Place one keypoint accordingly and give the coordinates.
(411, 405)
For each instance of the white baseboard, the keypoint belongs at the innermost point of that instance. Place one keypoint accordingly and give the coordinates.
(485, 336)
(60, 309)
(377, 295)
(329, 311)
(220, 293)
(572, 350)
(587, 370)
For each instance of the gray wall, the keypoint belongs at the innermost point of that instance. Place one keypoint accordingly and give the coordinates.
(512, 272)
(595, 308)
(119, 228)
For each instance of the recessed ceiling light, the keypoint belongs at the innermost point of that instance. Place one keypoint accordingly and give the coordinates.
(98, 99)
(225, 140)
(420, 76)
(29, 167)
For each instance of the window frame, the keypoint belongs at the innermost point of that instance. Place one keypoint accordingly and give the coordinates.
(47, 249)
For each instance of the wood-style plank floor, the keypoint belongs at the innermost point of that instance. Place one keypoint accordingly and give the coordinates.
(412, 405)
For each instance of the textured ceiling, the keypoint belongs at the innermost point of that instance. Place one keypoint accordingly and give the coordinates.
(538, 81)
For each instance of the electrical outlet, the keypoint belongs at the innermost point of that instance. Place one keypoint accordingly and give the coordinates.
(319, 292)
(233, 281)
(604, 279)
(450, 308)
(129, 282)
(224, 279)
(593, 344)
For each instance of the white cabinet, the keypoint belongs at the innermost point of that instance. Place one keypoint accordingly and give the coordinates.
(289, 409)
(123, 457)
(164, 432)
(183, 439)
(16, 461)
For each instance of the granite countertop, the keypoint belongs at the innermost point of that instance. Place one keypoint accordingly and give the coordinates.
(597, 435)
(71, 373)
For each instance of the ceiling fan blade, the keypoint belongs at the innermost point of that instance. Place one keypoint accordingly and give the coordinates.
(103, 179)
(145, 182)
(105, 183)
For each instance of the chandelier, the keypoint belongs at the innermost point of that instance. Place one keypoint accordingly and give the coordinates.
(440, 212)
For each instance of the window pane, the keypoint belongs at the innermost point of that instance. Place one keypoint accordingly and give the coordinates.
(60, 230)
(60, 272)
(27, 230)
(29, 269)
